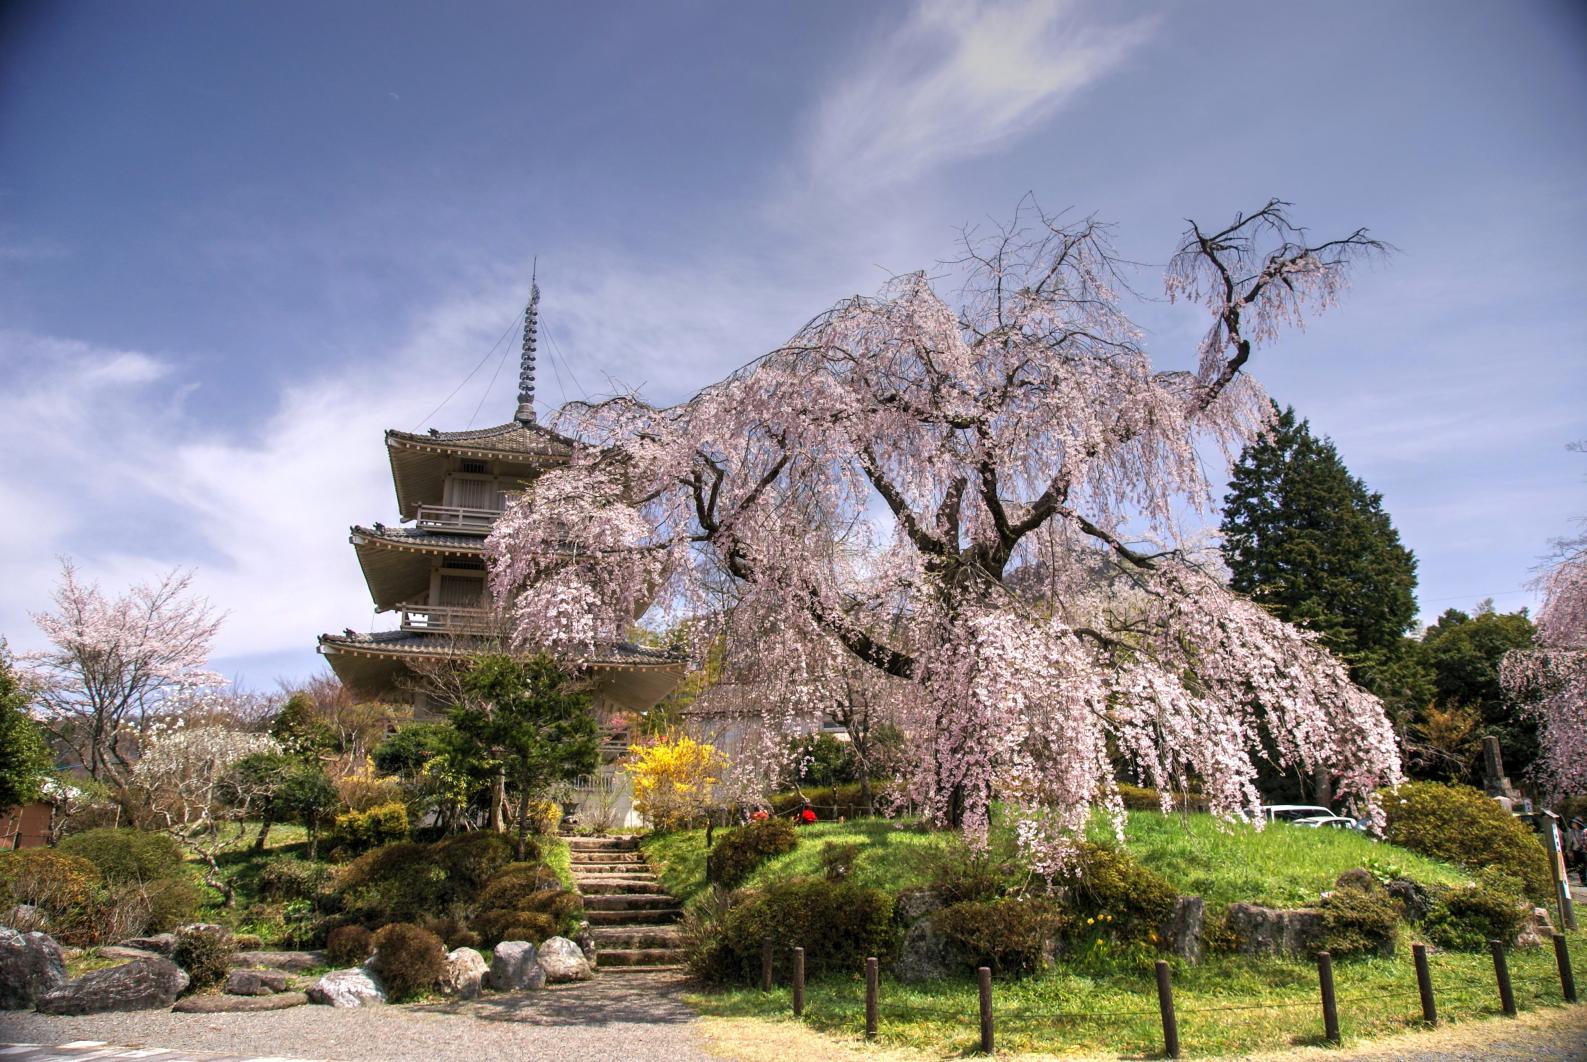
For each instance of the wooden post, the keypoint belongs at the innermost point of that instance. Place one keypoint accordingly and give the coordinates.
(1325, 978)
(1501, 970)
(872, 989)
(1424, 984)
(1165, 1004)
(984, 975)
(798, 982)
(765, 966)
(1567, 976)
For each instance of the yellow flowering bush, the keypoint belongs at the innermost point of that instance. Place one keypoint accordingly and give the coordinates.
(674, 780)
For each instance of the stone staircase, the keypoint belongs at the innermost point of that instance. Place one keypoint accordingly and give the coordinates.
(632, 918)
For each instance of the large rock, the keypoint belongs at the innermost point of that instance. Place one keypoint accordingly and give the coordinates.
(31, 965)
(513, 966)
(564, 961)
(928, 955)
(1270, 931)
(290, 961)
(143, 984)
(1537, 928)
(26, 918)
(1181, 934)
(230, 1004)
(160, 943)
(354, 987)
(121, 953)
(1414, 899)
(465, 971)
(915, 904)
(256, 982)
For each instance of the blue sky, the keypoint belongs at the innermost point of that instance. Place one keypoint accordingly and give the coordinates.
(239, 240)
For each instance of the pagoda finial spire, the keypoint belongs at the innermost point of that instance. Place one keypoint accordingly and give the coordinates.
(526, 365)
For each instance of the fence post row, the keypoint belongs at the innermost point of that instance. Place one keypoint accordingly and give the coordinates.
(1325, 979)
(1567, 976)
(798, 982)
(1165, 1004)
(872, 988)
(1501, 970)
(1424, 984)
(984, 975)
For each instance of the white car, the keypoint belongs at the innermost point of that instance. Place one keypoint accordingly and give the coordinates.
(1336, 822)
(1294, 812)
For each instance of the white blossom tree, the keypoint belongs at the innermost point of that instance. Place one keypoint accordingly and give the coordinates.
(985, 507)
(116, 665)
(1551, 679)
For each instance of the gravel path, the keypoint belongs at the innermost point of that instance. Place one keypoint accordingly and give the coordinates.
(616, 1016)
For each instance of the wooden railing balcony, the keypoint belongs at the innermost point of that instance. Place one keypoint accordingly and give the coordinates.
(439, 619)
(456, 518)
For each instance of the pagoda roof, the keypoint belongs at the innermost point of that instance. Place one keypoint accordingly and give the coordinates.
(420, 460)
(417, 538)
(396, 561)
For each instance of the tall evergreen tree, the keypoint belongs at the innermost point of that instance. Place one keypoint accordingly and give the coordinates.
(25, 759)
(1309, 541)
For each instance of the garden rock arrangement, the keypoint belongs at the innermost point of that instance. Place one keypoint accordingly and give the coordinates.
(1271, 931)
(514, 966)
(255, 982)
(355, 987)
(465, 973)
(142, 984)
(564, 961)
(31, 965)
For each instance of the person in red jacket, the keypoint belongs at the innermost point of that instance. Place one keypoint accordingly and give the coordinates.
(808, 815)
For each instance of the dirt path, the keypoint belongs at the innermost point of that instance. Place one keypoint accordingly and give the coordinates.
(616, 1016)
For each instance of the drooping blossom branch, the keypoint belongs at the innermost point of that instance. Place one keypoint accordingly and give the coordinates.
(960, 502)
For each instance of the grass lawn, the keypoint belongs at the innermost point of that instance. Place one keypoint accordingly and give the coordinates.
(1109, 1004)
(1281, 866)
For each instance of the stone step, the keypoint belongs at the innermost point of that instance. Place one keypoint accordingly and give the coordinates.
(620, 937)
(637, 957)
(628, 901)
(613, 859)
(613, 870)
(595, 881)
(646, 917)
(608, 844)
(675, 967)
(608, 886)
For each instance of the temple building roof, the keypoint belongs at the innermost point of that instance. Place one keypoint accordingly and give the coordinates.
(421, 462)
(397, 561)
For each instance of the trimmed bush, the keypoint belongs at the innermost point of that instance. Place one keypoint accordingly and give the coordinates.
(408, 959)
(381, 824)
(1143, 798)
(205, 954)
(1012, 935)
(837, 860)
(1465, 918)
(172, 902)
(1463, 825)
(1134, 899)
(395, 883)
(470, 859)
(493, 927)
(285, 878)
(65, 887)
(1359, 918)
(838, 923)
(453, 931)
(740, 851)
(349, 945)
(127, 855)
(516, 883)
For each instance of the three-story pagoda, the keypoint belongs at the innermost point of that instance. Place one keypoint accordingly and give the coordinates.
(451, 486)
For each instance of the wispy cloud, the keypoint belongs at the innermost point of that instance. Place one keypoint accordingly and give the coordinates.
(956, 80)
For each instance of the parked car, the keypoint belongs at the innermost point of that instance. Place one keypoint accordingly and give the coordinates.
(1336, 822)
(1293, 812)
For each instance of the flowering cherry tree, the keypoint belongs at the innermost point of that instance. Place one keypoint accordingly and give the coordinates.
(984, 508)
(1552, 678)
(118, 664)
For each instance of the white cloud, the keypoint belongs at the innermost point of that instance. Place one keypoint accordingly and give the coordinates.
(955, 80)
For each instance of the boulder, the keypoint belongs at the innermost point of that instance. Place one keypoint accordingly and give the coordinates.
(31, 965)
(928, 955)
(1537, 928)
(290, 961)
(513, 966)
(25, 918)
(564, 961)
(143, 984)
(586, 942)
(915, 904)
(122, 953)
(1269, 931)
(159, 943)
(1414, 899)
(354, 987)
(1181, 933)
(256, 982)
(465, 972)
(231, 1004)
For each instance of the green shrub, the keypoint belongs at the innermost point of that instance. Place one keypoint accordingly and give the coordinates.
(471, 859)
(205, 954)
(837, 860)
(838, 923)
(452, 930)
(394, 883)
(172, 902)
(380, 824)
(124, 855)
(515, 883)
(1466, 917)
(348, 945)
(408, 959)
(1462, 825)
(1359, 919)
(493, 927)
(738, 852)
(65, 887)
(286, 878)
(1012, 935)
(1108, 883)
(959, 874)
(1142, 798)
